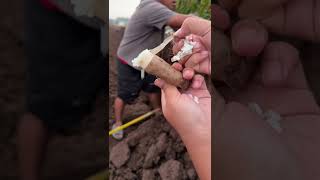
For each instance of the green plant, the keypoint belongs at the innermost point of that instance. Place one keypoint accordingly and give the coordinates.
(198, 7)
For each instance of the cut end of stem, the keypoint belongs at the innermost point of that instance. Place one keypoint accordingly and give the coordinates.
(143, 59)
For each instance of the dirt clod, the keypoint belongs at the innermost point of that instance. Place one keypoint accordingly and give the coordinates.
(155, 155)
(148, 174)
(171, 170)
(120, 154)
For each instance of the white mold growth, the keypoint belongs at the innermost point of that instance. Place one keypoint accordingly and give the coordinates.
(185, 50)
(143, 59)
(271, 117)
(256, 108)
(194, 98)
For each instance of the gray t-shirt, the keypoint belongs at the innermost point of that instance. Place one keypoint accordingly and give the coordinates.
(144, 30)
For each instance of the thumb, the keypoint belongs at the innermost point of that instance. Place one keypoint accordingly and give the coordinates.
(278, 61)
(197, 26)
(169, 91)
(248, 38)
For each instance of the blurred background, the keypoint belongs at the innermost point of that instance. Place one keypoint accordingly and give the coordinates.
(74, 155)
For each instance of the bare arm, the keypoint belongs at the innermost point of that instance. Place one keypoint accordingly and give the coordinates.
(177, 20)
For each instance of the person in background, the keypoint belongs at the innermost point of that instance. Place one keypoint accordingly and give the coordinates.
(145, 30)
(65, 72)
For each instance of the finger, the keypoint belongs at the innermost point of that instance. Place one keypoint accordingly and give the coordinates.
(177, 46)
(159, 82)
(197, 58)
(198, 48)
(198, 82)
(199, 42)
(188, 73)
(248, 38)
(204, 67)
(278, 60)
(170, 92)
(299, 19)
(177, 66)
(193, 25)
(221, 17)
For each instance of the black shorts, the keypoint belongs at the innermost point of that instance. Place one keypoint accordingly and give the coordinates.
(65, 68)
(130, 83)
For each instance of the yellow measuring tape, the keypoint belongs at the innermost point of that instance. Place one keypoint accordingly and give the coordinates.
(134, 121)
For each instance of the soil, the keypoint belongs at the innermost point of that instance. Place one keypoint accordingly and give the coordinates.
(76, 156)
(150, 150)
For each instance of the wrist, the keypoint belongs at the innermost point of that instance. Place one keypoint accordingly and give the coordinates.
(198, 134)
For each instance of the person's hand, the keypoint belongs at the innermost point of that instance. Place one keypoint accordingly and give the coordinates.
(200, 59)
(197, 30)
(189, 112)
(295, 19)
(268, 149)
(197, 26)
(282, 147)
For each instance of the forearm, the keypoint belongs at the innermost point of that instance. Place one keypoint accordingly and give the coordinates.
(200, 153)
(198, 144)
(176, 21)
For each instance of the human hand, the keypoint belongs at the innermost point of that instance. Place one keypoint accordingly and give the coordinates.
(248, 39)
(283, 147)
(196, 26)
(197, 30)
(200, 59)
(188, 112)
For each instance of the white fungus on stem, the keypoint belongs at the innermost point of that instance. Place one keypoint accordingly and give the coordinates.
(156, 66)
(184, 51)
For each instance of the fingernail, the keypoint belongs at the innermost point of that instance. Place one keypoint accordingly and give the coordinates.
(177, 33)
(273, 74)
(196, 85)
(158, 83)
(188, 74)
